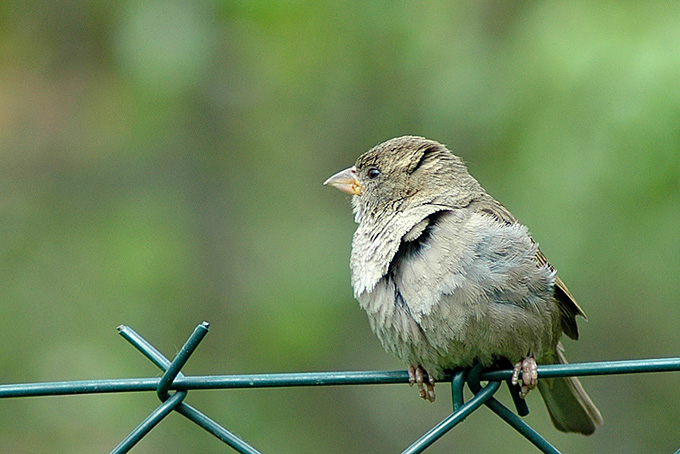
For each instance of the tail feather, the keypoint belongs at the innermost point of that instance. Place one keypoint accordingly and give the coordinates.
(570, 408)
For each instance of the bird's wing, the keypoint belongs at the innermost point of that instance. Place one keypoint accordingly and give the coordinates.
(569, 308)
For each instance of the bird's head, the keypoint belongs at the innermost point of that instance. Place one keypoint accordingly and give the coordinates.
(401, 173)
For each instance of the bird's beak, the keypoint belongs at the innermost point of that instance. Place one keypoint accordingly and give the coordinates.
(346, 181)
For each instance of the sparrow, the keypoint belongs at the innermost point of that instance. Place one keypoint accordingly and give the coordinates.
(449, 278)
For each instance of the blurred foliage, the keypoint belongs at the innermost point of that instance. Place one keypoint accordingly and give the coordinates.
(161, 163)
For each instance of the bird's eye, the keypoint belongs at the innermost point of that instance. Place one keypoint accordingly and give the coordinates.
(373, 172)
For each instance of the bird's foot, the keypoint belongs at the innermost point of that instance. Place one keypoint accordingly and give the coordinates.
(416, 375)
(529, 370)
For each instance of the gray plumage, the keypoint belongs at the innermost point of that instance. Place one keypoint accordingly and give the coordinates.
(448, 277)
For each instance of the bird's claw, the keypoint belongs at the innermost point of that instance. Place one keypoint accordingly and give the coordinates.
(416, 375)
(529, 370)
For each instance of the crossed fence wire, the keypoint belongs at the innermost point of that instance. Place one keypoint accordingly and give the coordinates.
(173, 386)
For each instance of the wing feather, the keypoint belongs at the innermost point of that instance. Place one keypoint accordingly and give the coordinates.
(568, 306)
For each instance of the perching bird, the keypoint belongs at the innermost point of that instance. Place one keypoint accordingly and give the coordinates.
(449, 278)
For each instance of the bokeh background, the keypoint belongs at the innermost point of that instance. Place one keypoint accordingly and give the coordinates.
(161, 164)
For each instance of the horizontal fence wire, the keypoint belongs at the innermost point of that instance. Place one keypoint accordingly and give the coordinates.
(186, 383)
(172, 389)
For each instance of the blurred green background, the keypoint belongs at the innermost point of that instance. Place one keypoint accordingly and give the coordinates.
(161, 163)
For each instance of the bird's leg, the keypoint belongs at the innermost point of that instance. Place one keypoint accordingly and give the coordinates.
(416, 375)
(529, 370)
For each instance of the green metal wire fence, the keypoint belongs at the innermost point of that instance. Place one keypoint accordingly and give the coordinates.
(173, 386)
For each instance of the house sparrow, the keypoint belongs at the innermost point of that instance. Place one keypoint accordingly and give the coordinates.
(449, 278)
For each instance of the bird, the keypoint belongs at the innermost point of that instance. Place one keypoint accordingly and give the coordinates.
(449, 278)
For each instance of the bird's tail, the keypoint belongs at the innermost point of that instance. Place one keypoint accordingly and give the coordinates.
(570, 408)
